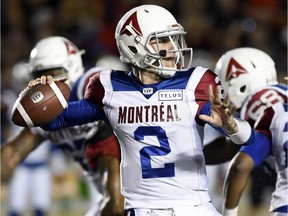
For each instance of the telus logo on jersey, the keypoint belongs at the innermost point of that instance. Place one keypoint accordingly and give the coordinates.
(173, 95)
(152, 113)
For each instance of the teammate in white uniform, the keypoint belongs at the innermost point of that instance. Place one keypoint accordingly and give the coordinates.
(250, 78)
(157, 111)
(30, 187)
(29, 190)
(58, 57)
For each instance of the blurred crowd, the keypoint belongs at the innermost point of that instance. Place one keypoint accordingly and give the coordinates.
(213, 27)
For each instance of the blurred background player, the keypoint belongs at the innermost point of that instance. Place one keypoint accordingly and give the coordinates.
(250, 78)
(58, 57)
(29, 190)
(262, 177)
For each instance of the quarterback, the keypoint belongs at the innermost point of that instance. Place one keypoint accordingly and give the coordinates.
(158, 112)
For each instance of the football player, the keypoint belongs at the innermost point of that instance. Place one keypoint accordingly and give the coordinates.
(158, 112)
(29, 189)
(249, 76)
(59, 57)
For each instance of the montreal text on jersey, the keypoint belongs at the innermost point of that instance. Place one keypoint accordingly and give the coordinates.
(149, 113)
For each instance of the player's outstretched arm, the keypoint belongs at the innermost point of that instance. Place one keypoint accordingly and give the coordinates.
(235, 182)
(77, 113)
(15, 150)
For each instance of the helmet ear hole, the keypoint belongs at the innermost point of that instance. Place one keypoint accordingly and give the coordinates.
(133, 49)
(243, 88)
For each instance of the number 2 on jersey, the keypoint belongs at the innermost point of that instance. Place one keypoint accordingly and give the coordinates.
(148, 151)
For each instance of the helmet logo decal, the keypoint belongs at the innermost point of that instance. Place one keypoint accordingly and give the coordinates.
(234, 69)
(133, 22)
(70, 48)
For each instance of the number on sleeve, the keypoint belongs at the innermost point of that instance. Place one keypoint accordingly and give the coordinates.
(267, 99)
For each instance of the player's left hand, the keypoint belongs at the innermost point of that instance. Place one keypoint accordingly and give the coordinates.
(221, 112)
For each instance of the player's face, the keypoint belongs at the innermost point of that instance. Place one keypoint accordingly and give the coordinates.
(165, 44)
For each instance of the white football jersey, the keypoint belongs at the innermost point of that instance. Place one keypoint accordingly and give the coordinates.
(267, 111)
(70, 140)
(162, 165)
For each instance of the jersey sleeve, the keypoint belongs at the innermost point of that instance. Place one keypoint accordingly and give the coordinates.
(95, 91)
(260, 149)
(77, 113)
(202, 93)
(83, 111)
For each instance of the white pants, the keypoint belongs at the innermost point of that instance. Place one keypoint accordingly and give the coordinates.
(206, 209)
(30, 183)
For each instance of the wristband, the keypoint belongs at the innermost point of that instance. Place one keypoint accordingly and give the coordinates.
(243, 134)
(230, 212)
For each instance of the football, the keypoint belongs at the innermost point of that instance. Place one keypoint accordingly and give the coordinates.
(40, 104)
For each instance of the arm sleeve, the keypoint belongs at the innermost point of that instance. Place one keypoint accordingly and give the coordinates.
(83, 111)
(260, 150)
(77, 113)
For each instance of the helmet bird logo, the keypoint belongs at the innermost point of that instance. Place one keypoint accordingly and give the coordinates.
(133, 22)
(234, 70)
